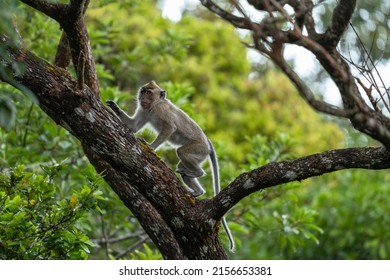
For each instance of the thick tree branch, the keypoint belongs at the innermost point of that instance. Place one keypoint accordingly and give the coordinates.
(339, 23)
(77, 8)
(70, 17)
(277, 173)
(54, 10)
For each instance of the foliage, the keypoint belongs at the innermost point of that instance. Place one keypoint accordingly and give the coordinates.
(34, 224)
(148, 255)
(352, 209)
(273, 217)
(34, 138)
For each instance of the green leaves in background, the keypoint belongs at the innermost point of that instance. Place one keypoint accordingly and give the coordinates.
(34, 224)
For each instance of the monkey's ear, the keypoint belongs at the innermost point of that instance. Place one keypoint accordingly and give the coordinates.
(163, 94)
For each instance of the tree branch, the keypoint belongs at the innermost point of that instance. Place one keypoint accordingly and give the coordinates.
(70, 18)
(55, 11)
(81, 69)
(306, 93)
(270, 40)
(339, 23)
(277, 173)
(238, 22)
(77, 8)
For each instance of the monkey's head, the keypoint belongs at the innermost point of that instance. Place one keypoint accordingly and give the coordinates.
(150, 94)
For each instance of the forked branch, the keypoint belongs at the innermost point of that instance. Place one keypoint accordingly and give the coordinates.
(71, 19)
(270, 40)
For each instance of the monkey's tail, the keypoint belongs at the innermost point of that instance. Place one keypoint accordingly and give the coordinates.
(214, 169)
(217, 189)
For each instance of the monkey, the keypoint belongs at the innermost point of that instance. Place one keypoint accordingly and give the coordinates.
(175, 126)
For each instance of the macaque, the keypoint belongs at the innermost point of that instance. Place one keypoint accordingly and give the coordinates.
(175, 126)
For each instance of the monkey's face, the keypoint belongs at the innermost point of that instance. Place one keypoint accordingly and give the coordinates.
(149, 94)
(146, 98)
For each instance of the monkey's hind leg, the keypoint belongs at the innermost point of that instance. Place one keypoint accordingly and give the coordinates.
(194, 186)
(191, 157)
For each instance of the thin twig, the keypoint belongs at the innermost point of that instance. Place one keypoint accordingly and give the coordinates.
(374, 68)
(27, 125)
(368, 91)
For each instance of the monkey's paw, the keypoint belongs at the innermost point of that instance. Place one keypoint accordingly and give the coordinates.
(113, 106)
(111, 103)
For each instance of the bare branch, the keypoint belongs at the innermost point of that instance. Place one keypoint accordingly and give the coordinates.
(270, 39)
(307, 11)
(308, 96)
(53, 10)
(367, 69)
(368, 91)
(77, 8)
(239, 22)
(339, 23)
(70, 17)
(277, 173)
(132, 247)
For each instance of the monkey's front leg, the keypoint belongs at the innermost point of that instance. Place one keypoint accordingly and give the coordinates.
(114, 107)
(164, 134)
(130, 123)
